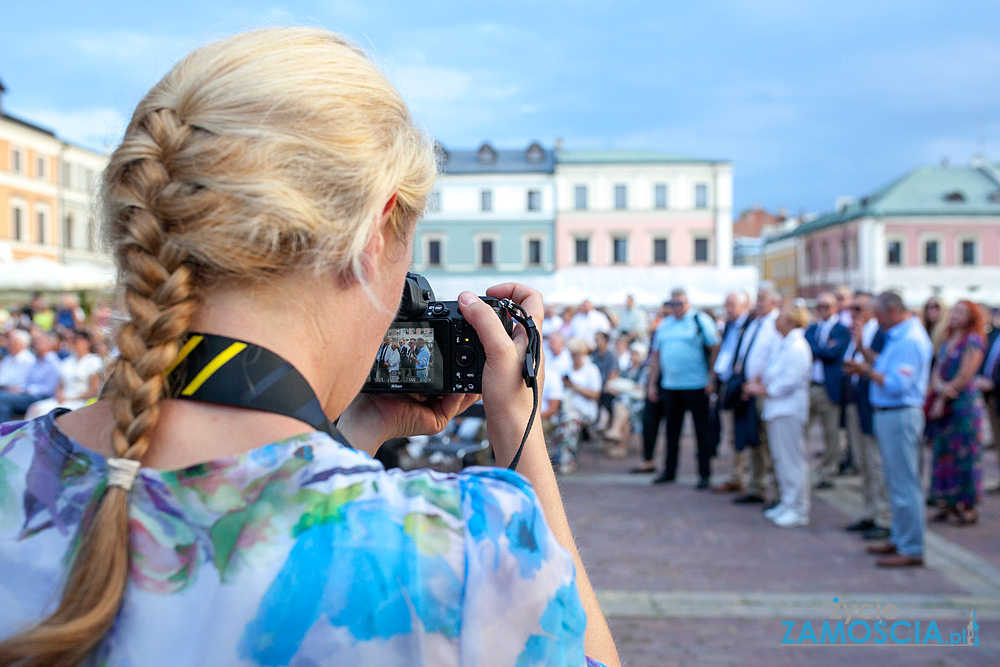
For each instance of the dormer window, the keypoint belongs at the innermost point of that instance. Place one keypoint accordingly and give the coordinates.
(995, 197)
(487, 155)
(535, 154)
(955, 196)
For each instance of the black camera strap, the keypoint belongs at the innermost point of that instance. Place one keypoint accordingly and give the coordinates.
(225, 371)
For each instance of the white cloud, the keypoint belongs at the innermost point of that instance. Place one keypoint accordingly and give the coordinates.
(425, 83)
(98, 129)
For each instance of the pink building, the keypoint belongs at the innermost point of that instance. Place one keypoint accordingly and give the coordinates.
(935, 231)
(642, 209)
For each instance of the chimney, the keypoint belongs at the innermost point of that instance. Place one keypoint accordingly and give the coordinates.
(842, 202)
(2, 89)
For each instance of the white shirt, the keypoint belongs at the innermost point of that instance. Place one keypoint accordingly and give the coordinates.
(588, 376)
(635, 321)
(14, 369)
(786, 378)
(551, 325)
(393, 359)
(557, 365)
(586, 326)
(552, 388)
(727, 351)
(755, 360)
(76, 374)
(868, 331)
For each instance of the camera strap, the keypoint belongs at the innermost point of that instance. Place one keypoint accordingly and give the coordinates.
(225, 371)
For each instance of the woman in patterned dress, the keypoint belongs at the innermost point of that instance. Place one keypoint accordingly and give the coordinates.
(955, 415)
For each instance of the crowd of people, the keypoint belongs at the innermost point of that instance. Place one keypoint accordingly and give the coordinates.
(884, 384)
(404, 359)
(51, 357)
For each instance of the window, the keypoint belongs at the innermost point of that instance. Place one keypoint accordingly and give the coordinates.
(701, 195)
(931, 253)
(824, 253)
(434, 201)
(90, 180)
(582, 251)
(894, 253)
(18, 223)
(844, 259)
(701, 250)
(619, 250)
(40, 170)
(968, 253)
(660, 195)
(580, 198)
(486, 252)
(434, 252)
(65, 174)
(810, 257)
(621, 197)
(41, 227)
(534, 252)
(660, 250)
(534, 200)
(67, 232)
(16, 161)
(486, 203)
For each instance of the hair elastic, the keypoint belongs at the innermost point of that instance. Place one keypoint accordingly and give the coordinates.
(122, 472)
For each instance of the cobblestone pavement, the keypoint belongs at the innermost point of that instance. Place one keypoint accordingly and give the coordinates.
(686, 577)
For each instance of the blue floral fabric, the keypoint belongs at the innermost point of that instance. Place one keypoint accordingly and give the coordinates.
(303, 552)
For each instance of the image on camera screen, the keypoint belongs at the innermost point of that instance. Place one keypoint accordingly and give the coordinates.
(408, 355)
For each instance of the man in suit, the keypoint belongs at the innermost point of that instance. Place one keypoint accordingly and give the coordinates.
(828, 339)
(989, 382)
(867, 340)
(380, 370)
(737, 316)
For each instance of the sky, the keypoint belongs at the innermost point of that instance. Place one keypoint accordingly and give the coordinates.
(809, 100)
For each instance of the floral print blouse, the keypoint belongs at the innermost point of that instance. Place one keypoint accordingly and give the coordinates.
(303, 552)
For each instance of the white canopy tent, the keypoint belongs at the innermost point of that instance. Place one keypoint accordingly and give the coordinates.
(40, 274)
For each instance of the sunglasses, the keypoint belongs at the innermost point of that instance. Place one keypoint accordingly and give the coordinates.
(856, 309)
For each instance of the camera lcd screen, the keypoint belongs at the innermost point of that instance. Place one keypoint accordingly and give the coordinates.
(409, 357)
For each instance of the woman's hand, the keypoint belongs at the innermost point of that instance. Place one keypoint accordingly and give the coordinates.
(506, 398)
(371, 419)
(937, 408)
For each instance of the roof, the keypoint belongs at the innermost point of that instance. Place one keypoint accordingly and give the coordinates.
(24, 123)
(489, 160)
(926, 191)
(626, 157)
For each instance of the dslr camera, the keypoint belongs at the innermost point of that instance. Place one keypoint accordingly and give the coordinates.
(430, 348)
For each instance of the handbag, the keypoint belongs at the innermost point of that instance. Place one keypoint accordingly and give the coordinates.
(732, 392)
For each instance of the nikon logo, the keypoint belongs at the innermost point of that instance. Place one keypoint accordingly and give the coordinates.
(395, 386)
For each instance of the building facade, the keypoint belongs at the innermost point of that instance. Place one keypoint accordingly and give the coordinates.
(934, 231)
(642, 209)
(491, 211)
(47, 188)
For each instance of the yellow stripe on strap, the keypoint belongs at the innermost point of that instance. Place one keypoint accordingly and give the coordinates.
(182, 355)
(213, 366)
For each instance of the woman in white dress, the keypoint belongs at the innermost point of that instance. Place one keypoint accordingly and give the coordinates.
(80, 379)
(785, 388)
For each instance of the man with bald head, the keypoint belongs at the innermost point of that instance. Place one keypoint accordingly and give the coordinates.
(737, 318)
(828, 339)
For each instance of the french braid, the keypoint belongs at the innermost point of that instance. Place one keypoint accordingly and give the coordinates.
(160, 298)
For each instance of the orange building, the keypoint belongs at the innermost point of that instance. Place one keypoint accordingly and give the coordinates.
(47, 189)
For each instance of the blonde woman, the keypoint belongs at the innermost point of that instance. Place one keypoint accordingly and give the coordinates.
(785, 388)
(266, 190)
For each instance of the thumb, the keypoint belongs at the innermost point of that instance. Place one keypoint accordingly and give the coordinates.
(493, 336)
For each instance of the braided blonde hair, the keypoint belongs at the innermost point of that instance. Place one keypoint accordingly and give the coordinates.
(269, 151)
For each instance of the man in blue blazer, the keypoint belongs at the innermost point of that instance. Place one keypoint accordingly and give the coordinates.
(867, 341)
(829, 340)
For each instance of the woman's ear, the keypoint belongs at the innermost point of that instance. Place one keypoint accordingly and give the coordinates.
(377, 244)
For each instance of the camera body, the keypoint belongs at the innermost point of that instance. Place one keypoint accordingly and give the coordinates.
(430, 348)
